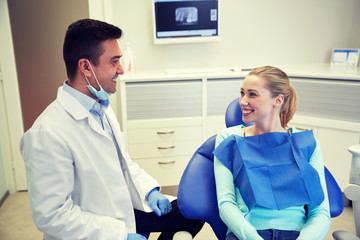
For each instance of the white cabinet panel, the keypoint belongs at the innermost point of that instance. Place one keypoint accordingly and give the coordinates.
(166, 149)
(328, 98)
(166, 99)
(163, 135)
(167, 171)
(164, 146)
(220, 92)
(214, 124)
(303, 127)
(334, 144)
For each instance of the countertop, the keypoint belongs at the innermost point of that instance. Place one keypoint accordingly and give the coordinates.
(320, 71)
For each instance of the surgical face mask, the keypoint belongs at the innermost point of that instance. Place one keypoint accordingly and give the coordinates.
(101, 94)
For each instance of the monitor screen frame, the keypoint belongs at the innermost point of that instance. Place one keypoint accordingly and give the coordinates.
(185, 39)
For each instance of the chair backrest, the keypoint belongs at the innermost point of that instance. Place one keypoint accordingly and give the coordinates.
(336, 199)
(197, 192)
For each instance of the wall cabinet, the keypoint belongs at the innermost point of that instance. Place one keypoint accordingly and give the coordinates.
(166, 117)
(162, 124)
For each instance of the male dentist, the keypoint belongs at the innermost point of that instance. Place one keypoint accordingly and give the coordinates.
(82, 183)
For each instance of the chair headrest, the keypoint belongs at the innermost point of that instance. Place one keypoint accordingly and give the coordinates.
(233, 115)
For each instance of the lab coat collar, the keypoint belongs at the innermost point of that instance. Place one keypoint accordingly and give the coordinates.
(87, 102)
(77, 111)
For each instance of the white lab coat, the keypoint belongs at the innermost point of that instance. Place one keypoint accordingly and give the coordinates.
(75, 182)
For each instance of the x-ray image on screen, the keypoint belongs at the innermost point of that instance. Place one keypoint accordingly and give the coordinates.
(186, 16)
(180, 21)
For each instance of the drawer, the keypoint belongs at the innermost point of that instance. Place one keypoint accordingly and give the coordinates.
(165, 122)
(166, 149)
(163, 135)
(167, 171)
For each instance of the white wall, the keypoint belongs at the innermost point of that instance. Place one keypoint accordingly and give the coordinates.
(16, 180)
(356, 26)
(253, 32)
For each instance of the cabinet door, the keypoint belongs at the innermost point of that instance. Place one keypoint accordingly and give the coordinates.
(334, 99)
(167, 171)
(220, 92)
(165, 149)
(334, 144)
(164, 134)
(164, 99)
(214, 124)
(304, 127)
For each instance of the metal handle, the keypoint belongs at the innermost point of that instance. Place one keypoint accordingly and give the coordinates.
(168, 132)
(163, 163)
(302, 129)
(164, 148)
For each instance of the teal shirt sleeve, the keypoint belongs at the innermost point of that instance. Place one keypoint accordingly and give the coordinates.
(318, 223)
(232, 210)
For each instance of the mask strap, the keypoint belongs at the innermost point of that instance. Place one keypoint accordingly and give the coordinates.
(87, 80)
(94, 75)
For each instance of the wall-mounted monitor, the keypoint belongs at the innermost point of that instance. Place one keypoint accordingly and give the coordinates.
(185, 21)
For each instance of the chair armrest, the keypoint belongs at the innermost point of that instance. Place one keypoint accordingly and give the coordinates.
(343, 235)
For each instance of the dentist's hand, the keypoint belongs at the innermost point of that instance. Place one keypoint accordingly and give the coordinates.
(135, 236)
(158, 202)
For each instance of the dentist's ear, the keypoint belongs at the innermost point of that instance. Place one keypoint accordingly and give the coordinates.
(84, 67)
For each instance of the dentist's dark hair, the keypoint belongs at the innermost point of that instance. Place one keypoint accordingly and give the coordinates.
(84, 39)
(277, 82)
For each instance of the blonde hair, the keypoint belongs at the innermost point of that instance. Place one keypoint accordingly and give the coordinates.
(277, 82)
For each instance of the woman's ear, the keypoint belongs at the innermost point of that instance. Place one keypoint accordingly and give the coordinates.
(83, 65)
(279, 100)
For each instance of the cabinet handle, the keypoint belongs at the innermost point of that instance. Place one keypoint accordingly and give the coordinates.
(302, 129)
(163, 163)
(168, 132)
(164, 148)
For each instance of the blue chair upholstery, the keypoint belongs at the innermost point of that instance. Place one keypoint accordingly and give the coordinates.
(197, 194)
(233, 115)
(336, 199)
(147, 235)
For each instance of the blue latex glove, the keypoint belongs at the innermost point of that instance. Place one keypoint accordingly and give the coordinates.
(158, 202)
(135, 236)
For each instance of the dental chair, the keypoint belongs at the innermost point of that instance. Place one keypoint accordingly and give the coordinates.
(197, 194)
(352, 192)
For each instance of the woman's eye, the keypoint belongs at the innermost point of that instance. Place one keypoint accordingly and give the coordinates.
(242, 93)
(253, 95)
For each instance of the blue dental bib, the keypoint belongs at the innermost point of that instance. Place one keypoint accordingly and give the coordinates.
(272, 170)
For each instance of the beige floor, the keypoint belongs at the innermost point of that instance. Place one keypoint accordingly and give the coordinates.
(16, 222)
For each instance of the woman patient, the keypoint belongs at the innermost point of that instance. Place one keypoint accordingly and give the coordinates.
(270, 178)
